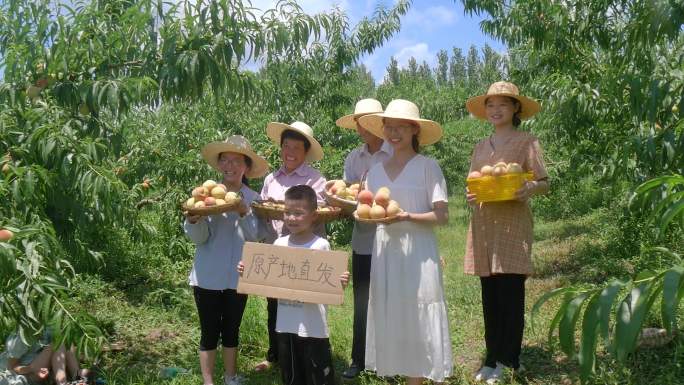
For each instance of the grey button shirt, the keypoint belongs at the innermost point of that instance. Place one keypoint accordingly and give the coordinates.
(219, 240)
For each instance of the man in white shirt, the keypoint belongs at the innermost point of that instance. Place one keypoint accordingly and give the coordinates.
(358, 162)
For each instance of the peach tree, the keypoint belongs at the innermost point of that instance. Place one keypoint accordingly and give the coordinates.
(71, 74)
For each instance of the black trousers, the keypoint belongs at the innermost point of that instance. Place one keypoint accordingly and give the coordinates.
(272, 308)
(503, 305)
(361, 267)
(220, 314)
(305, 361)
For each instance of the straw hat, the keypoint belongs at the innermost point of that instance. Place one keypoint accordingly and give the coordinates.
(363, 107)
(274, 130)
(240, 145)
(430, 131)
(528, 107)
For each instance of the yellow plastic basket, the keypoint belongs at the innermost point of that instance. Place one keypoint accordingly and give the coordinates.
(497, 188)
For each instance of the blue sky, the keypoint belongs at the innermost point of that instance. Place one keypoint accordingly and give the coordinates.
(428, 27)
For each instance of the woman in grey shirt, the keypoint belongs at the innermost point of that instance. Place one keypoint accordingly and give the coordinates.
(219, 240)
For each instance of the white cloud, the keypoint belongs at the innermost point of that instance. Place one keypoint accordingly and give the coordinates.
(431, 17)
(418, 51)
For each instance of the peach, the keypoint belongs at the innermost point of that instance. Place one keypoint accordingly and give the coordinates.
(209, 184)
(363, 210)
(220, 202)
(382, 196)
(223, 186)
(190, 202)
(393, 209)
(365, 197)
(339, 184)
(500, 164)
(377, 212)
(5, 235)
(199, 204)
(486, 170)
(218, 192)
(514, 168)
(199, 193)
(210, 201)
(231, 196)
(499, 171)
(474, 174)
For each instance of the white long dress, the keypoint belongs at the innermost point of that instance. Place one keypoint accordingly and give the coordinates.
(408, 331)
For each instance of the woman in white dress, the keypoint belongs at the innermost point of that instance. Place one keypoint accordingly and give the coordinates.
(408, 330)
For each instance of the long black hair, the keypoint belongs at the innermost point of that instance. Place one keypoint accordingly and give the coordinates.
(248, 162)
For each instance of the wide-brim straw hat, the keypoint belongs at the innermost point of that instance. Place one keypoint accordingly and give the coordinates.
(274, 130)
(240, 145)
(363, 107)
(430, 131)
(528, 107)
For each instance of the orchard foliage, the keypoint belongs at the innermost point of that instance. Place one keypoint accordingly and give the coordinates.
(78, 171)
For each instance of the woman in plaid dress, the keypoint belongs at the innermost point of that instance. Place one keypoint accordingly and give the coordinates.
(499, 242)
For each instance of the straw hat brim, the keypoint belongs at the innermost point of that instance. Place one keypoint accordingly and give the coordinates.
(430, 131)
(211, 152)
(274, 130)
(476, 105)
(349, 121)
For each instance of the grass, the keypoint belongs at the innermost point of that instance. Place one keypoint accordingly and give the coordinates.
(156, 321)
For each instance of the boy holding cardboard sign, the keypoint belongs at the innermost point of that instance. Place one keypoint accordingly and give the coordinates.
(303, 346)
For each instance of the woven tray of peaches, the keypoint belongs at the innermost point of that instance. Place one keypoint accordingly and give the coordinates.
(338, 194)
(275, 210)
(211, 198)
(378, 208)
(497, 183)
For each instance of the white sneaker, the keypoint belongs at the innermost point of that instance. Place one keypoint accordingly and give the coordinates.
(496, 374)
(483, 373)
(235, 380)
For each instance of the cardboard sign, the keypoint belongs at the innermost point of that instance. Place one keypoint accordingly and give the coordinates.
(293, 273)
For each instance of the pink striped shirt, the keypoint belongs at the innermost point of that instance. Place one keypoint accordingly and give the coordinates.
(275, 185)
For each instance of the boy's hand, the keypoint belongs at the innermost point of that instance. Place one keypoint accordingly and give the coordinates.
(241, 268)
(344, 279)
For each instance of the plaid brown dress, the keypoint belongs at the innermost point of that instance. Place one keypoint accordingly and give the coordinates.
(500, 233)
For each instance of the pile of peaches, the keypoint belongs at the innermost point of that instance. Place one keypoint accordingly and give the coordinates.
(499, 169)
(339, 189)
(378, 206)
(211, 194)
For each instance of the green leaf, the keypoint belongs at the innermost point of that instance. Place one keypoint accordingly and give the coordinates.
(566, 328)
(546, 297)
(590, 327)
(608, 295)
(672, 280)
(631, 315)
